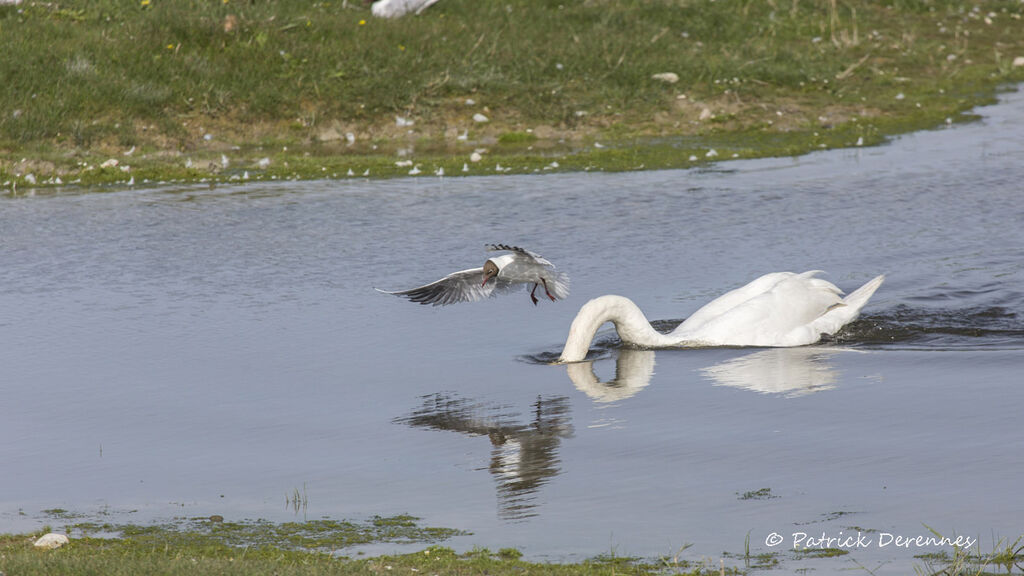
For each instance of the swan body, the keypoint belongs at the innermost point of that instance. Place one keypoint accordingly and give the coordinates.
(498, 275)
(777, 309)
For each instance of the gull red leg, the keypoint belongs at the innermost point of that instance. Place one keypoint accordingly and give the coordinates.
(546, 289)
(532, 297)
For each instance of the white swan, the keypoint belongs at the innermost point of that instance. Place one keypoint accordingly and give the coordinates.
(777, 309)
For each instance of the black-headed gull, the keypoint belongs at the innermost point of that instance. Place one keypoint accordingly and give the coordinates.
(498, 275)
(778, 309)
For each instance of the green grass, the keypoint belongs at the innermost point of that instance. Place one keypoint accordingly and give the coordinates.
(85, 81)
(194, 546)
(165, 550)
(318, 535)
(1006, 558)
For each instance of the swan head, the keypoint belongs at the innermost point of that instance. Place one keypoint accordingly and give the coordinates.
(490, 271)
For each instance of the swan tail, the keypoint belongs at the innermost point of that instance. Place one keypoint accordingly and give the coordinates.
(859, 297)
(849, 310)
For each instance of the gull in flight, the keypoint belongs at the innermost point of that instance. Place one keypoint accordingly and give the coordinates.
(498, 275)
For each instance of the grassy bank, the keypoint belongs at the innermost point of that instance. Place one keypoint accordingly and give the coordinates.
(215, 546)
(205, 546)
(117, 557)
(158, 90)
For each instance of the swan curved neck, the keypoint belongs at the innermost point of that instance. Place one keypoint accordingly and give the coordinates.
(630, 323)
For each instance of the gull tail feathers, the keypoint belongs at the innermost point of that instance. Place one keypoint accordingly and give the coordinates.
(558, 285)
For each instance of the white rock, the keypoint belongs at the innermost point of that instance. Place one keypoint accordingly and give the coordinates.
(399, 8)
(667, 77)
(109, 163)
(263, 163)
(705, 114)
(1018, 61)
(711, 153)
(403, 163)
(51, 541)
(478, 117)
(475, 157)
(399, 121)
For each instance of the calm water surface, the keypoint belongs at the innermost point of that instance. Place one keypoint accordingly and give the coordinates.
(186, 351)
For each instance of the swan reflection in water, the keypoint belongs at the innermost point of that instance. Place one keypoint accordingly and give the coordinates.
(633, 371)
(524, 455)
(787, 371)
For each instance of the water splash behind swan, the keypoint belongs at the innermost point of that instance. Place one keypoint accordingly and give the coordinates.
(777, 309)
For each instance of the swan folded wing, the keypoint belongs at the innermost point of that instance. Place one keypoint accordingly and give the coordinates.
(730, 300)
(462, 286)
(784, 315)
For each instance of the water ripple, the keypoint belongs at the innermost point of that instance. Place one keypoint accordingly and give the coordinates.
(978, 327)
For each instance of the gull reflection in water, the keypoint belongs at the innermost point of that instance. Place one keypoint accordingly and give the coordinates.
(788, 371)
(633, 371)
(524, 455)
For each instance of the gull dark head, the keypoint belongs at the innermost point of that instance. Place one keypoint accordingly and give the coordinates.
(490, 271)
